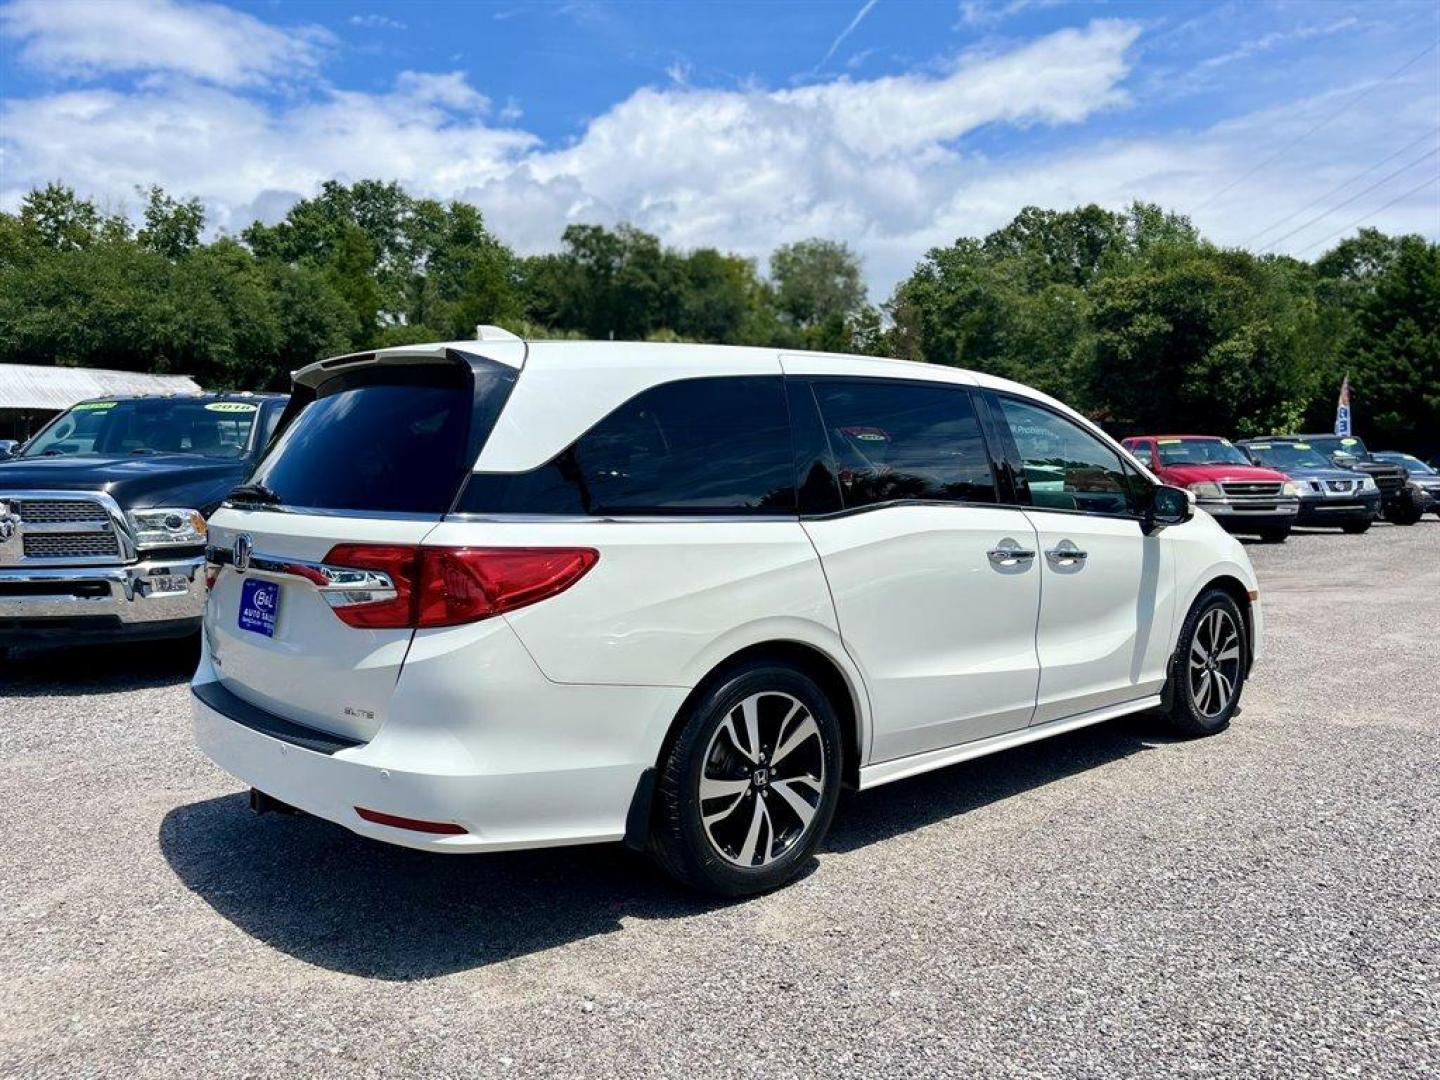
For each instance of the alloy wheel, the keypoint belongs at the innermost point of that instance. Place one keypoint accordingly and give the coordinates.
(762, 779)
(1215, 662)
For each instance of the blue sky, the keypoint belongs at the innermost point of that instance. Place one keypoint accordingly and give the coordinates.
(892, 125)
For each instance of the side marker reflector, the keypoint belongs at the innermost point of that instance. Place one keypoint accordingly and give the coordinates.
(447, 828)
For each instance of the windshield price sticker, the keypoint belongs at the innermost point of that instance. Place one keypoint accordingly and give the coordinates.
(1171, 442)
(94, 406)
(230, 406)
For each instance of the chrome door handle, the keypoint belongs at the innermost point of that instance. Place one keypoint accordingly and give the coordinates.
(1010, 556)
(1066, 556)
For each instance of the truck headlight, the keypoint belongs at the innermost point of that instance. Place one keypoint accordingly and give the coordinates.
(1204, 489)
(168, 526)
(1367, 483)
(1291, 489)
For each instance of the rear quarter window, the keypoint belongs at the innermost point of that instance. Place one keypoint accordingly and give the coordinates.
(718, 445)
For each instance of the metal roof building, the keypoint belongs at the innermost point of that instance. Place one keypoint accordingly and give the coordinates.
(32, 393)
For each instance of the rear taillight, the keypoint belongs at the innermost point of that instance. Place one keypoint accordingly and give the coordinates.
(448, 586)
(392, 609)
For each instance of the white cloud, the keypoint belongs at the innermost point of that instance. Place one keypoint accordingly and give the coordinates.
(376, 22)
(199, 41)
(1267, 42)
(865, 9)
(886, 164)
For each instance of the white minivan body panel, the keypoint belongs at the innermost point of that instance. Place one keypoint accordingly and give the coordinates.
(315, 670)
(665, 596)
(943, 634)
(1105, 631)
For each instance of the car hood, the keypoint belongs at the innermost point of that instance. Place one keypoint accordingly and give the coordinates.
(1218, 473)
(188, 480)
(1322, 473)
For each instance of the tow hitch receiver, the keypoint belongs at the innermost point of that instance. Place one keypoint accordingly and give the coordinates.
(261, 803)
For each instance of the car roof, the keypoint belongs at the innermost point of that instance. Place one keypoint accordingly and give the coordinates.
(1184, 438)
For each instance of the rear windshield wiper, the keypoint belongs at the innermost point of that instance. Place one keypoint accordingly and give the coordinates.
(255, 493)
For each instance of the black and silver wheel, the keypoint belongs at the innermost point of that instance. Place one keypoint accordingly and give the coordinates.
(748, 789)
(1209, 668)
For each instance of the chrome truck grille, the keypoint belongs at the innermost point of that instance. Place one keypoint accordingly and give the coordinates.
(1265, 488)
(57, 528)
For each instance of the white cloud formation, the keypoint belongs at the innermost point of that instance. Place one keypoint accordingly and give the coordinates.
(199, 41)
(886, 164)
(376, 22)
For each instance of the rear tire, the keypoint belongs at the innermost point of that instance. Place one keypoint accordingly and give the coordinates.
(764, 742)
(1355, 528)
(1208, 672)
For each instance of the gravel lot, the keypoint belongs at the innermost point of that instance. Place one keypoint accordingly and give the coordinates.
(1111, 902)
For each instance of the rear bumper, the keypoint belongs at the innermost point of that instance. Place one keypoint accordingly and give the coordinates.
(562, 768)
(81, 603)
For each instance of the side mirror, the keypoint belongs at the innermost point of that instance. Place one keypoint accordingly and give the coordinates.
(1168, 506)
(8, 448)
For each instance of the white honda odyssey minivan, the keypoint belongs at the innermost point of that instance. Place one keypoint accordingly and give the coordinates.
(504, 594)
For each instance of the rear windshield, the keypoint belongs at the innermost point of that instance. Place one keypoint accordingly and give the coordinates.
(387, 440)
(142, 426)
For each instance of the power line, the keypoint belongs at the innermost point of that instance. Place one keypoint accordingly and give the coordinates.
(1338, 188)
(1378, 210)
(1364, 191)
(1311, 131)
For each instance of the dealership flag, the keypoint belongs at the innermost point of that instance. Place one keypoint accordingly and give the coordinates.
(1342, 410)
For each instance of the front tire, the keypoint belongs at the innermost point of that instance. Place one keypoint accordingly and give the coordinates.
(1274, 536)
(747, 792)
(1208, 672)
(1355, 528)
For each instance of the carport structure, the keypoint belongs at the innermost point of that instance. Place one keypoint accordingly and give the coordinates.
(30, 394)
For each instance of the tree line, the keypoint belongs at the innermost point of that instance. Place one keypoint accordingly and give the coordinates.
(1132, 316)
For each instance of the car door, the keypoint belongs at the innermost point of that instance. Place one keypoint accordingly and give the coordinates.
(935, 583)
(1107, 588)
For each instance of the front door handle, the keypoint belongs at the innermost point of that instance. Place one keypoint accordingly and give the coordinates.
(1066, 556)
(1010, 556)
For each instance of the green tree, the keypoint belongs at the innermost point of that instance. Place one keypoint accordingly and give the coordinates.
(172, 228)
(817, 281)
(1393, 352)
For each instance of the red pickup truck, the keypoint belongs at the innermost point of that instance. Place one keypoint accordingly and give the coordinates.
(1242, 497)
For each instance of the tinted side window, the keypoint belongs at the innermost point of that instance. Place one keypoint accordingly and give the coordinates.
(699, 446)
(896, 441)
(1067, 468)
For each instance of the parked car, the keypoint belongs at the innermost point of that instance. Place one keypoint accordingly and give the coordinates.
(492, 595)
(1349, 452)
(1328, 495)
(103, 514)
(1423, 480)
(1242, 496)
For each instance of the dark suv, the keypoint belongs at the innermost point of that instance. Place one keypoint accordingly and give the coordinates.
(1349, 452)
(103, 513)
(1422, 480)
(1329, 495)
